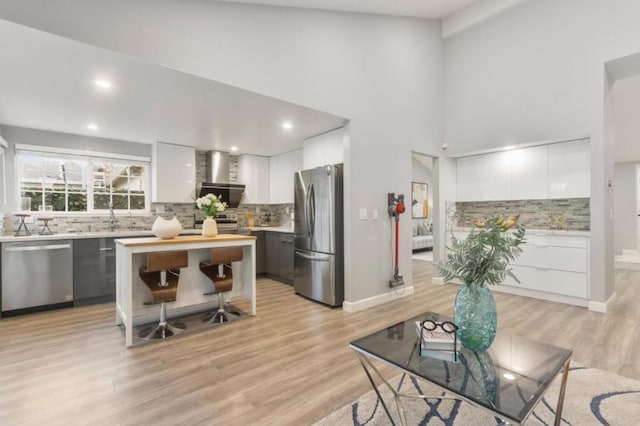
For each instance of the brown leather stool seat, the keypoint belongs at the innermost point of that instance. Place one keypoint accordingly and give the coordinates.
(161, 275)
(220, 272)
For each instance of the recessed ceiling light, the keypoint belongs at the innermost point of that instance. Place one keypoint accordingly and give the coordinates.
(189, 164)
(509, 376)
(287, 125)
(234, 148)
(92, 126)
(508, 147)
(103, 83)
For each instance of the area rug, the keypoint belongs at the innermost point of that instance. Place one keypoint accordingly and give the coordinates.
(593, 397)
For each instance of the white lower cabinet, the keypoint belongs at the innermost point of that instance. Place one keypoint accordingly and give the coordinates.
(551, 281)
(572, 259)
(551, 267)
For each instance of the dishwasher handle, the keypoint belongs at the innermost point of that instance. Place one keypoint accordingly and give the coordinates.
(39, 248)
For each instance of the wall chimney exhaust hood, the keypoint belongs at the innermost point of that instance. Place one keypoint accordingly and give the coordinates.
(217, 167)
(217, 179)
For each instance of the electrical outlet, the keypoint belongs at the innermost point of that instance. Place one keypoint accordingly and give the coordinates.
(159, 208)
(363, 214)
(374, 213)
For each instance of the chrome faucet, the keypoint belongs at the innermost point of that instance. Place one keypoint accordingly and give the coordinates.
(112, 218)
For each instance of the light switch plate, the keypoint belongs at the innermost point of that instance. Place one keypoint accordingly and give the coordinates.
(374, 214)
(363, 214)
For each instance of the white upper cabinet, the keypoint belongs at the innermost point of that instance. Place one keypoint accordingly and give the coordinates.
(569, 170)
(253, 172)
(281, 170)
(327, 148)
(529, 177)
(173, 173)
(560, 170)
(484, 177)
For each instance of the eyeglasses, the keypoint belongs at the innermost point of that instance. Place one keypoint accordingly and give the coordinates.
(446, 326)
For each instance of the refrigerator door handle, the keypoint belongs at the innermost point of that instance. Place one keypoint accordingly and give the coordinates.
(312, 208)
(306, 211)
(317, 258)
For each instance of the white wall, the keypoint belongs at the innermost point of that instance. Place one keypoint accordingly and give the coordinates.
(383, 73)
(536, 72)
(625, 208)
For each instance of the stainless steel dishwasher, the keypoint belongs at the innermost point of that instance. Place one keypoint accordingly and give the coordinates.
(36, 273)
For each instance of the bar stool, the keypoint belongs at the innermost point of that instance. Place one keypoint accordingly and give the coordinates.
(219, 271)
(161, 275)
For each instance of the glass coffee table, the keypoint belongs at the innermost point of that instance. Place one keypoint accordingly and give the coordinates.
(508, 380)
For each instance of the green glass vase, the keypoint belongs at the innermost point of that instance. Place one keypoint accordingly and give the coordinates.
(476, 317)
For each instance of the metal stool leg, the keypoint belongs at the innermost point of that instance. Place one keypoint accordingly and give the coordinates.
(163, 329)
(220, 315)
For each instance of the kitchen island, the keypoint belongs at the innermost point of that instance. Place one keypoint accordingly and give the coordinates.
(132, 293)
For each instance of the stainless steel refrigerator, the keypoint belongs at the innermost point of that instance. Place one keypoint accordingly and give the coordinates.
(319, 235)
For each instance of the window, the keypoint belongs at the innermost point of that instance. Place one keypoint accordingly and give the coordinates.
(72, 183)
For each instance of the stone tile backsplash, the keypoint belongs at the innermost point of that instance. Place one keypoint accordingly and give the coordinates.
(279, 215)
(533, 213)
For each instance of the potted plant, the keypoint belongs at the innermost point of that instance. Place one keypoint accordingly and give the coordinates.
(481, 260)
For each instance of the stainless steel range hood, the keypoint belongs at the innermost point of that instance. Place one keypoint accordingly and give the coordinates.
(217, 167)
(217, 179)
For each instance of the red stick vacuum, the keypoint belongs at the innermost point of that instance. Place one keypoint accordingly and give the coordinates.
(396, 208)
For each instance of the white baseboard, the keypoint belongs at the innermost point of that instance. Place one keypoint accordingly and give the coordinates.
(361, 305)
(438, 280)
(601, 306)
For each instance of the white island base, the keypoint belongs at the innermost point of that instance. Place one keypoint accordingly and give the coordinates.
(132, 293)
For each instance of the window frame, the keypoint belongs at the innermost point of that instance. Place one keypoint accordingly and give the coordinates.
(90, 158)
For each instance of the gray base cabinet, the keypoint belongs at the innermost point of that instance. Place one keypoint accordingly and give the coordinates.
(279, 256)
(94, 271)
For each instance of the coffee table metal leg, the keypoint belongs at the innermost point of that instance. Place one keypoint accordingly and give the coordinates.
(563, 388)
(364, 362)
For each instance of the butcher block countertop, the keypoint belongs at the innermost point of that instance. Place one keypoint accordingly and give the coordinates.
(186, 239)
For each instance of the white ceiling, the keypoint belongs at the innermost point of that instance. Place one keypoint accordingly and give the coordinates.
(419, 8)
(47, 82)
(626, 120)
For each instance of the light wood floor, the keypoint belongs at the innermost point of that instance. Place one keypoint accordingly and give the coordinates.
(290, 365)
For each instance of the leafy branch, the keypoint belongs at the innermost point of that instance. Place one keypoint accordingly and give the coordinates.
(484, 256)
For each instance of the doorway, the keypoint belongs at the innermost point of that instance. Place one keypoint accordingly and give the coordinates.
(422, 207)
(625, 98)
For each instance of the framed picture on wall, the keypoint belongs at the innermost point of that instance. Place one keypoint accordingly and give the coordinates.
(419, 201)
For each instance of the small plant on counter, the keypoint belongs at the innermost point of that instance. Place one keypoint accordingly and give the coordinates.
(211, 205)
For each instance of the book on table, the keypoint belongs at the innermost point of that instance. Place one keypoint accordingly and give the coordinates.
(451, 356)
(436, 340)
